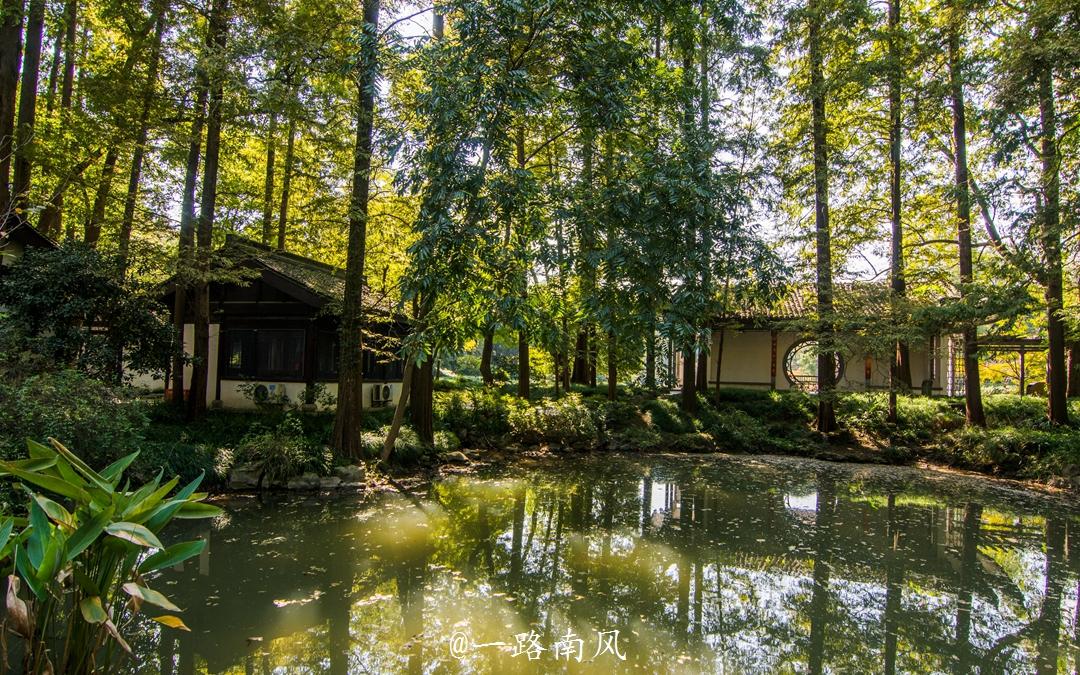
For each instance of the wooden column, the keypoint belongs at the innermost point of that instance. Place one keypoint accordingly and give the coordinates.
(719, 357)
(311, 340)
(772, 364)
(1023, 373)
(868, 371)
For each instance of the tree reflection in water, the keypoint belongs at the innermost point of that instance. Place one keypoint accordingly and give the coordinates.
(701, 565)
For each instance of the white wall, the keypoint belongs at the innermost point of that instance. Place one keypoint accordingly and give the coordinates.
(231, 393)
(747, 359)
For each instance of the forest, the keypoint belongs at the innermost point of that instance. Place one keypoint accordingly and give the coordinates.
(587, 184)
(751, 250)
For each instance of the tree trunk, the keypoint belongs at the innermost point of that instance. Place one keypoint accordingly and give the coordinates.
(399, 411)
(900, 368)
(268, 184)
(688, 402)
(523, 365)
(139, 154)
(612, 368)
(705, 225)
(1056, 374)
(524, 372)
(217, 35)
(10, 55)
(1074, 369)
(51, 221)
(485, 357)
(54, 67)
(286, 185)
(186, 254)
(421, 412)
(650, 356)
(350, 409)
(972, 382)
(24, 134)
(92, 232)
(580, 371)
(826, 376)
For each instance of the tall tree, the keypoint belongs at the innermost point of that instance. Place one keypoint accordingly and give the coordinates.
(1050, 220)
(350, 408)
(900, 368)
(10, 51)
(826, 375)
(28, 92)
(139, 154)
(972, 383)
(216, 38)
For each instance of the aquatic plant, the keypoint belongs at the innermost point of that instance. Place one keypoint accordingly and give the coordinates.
(85, 554)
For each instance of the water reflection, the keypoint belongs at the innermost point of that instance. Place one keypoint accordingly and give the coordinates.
(702, 565)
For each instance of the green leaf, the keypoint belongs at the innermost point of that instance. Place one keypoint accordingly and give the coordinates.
(92, 611)
(113, 472)
(174, 555)
(197, 510)
(87, 533)
(50, 483)
(52, 558)
(141, 495)
(191, 487)
(39, 534)
(81, 466)
(150, 503)
(58, 513)
(5, 532)
(147, 595)
(35, 464)
(134, 533)
(163, 513)
(39, 450)
(27, 572)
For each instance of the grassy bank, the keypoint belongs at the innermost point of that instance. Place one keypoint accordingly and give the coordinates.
(103, 424)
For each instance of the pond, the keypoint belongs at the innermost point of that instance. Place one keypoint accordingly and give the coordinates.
(652, 564)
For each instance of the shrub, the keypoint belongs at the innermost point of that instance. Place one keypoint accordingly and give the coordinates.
(446, 441)
(734, 430)
(479, 417)
(284, 452)
(664, 414)
(408, 448)
(635, 438)
(566, 421)
(1006, 410)
(66, 307)
(101, 422)
(794, 406)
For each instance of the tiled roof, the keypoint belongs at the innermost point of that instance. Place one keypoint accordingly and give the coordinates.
(799, 301)
(323, 280)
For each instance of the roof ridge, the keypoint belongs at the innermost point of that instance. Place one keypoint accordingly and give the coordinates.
(242, 241)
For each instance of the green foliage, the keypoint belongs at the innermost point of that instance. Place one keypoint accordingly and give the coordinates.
(733, 430)
(283, 452)
(409, 450)
(100, 421)
(80, 556)
(665, 415)
(564, 422)
(64, 308)
(480, 417)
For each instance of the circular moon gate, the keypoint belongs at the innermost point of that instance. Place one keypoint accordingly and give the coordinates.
(801, 365)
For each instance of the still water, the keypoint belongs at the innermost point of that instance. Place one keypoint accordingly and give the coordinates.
(712, 564)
